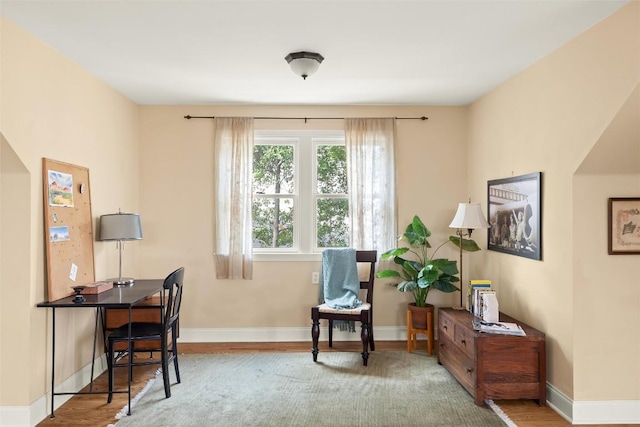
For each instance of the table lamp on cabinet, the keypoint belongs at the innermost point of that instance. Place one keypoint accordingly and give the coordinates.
(468, 217)
(120, 227)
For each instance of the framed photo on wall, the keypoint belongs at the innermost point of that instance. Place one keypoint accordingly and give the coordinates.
(624, 225)
(514, 213)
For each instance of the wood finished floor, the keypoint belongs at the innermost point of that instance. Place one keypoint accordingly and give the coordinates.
(92, 410)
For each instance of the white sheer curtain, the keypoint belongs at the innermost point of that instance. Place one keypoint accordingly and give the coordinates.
(233, 176)
(371, 177)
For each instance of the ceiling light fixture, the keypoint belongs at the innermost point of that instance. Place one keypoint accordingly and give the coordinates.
(304, 63)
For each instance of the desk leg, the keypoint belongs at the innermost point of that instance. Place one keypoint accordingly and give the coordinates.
(53, 358)
(93, 354)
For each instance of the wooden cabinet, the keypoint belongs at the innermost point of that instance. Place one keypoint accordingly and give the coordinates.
(492, 366)
(148, 310)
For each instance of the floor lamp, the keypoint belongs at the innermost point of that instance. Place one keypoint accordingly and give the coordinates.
(120, 227)
(468, 216)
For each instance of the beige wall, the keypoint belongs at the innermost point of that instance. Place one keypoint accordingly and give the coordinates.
(548, 118)
(606, 296)
(150, 159)
(52, 108)
(176, 164)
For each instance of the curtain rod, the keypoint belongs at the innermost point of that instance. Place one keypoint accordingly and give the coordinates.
(307, 118)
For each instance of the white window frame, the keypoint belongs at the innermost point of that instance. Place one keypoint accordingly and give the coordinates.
(305, 193)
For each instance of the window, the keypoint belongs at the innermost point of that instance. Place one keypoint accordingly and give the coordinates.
(300, 200)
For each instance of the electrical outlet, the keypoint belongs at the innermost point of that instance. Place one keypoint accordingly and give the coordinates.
(315, 277)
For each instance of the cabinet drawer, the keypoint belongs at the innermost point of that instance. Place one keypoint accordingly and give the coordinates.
(458, 364)
(446, 326)
(465, 340)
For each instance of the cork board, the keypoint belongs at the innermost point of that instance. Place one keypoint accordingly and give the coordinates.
(68, 227)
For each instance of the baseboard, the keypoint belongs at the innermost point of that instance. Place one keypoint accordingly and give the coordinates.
(593, 412)
(559, 402)
(29, 416)
(193, 335)
(606, 412)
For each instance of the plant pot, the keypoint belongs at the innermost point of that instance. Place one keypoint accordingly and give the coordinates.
(419, 315)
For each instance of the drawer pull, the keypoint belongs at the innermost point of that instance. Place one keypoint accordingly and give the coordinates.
(469, 370)
(444, 327)
(463, 342)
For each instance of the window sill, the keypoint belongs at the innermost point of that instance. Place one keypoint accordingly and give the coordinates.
(279, 257)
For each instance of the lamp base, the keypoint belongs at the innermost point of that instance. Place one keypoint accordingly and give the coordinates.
(122, 281)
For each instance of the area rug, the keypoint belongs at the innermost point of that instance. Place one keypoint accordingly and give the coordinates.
(289, 389)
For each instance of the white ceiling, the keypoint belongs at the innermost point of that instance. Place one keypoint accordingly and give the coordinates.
(436, 52)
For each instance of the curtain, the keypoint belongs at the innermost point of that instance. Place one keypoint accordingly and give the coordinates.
(371, 178)
(233, 176)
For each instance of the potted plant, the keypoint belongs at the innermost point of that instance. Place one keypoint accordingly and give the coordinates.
(420, 272)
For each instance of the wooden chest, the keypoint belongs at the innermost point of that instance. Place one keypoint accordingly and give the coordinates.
(492, 366)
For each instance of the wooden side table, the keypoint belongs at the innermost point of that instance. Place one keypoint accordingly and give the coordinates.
(412, 334)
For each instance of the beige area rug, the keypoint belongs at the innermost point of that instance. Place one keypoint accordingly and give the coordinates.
(289, 389)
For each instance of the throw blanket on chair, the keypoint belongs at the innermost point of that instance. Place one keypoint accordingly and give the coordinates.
(340, 283)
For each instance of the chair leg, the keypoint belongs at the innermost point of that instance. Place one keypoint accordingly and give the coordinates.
(365, 342)
(315, 332)
(110, 370)
(165, 370)
(174, 353)
(330, 333)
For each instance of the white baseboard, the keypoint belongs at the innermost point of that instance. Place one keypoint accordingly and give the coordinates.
(193, 335)
(606, 412)
(29, 416)
(583, 412)
(559, 402)
(576, 412)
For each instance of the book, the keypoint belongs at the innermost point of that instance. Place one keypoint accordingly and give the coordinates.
(490, 311)
(503, 328)
(478, 301)
(473, 284)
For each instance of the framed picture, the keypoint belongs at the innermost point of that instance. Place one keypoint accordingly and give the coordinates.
(514, 213)
(624, 225)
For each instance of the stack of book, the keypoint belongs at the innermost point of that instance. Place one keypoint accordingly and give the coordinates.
(476, 289)
(504, 328)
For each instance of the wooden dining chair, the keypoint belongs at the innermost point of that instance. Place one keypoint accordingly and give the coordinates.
(163, 333)
(362, 314)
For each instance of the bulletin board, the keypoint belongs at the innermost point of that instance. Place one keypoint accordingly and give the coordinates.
(68, 225)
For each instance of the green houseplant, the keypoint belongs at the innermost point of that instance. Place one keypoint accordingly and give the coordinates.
(420, 272)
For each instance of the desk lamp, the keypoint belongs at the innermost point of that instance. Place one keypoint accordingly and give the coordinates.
(468, 216)
(120, 227)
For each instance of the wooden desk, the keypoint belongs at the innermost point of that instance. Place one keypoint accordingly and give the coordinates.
(124, 298)
(492, 366)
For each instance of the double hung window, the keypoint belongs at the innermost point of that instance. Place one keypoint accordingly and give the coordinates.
(300, 194)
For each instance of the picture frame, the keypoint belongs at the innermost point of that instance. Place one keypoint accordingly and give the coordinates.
(514, 212)
(624, 225)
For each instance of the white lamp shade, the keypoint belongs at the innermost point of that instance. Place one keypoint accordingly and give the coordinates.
(469, 215)
(304, 66)
(120, 226)
(304, 63)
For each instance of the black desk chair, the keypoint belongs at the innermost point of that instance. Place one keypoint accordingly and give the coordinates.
(362, 314)
(164, 333)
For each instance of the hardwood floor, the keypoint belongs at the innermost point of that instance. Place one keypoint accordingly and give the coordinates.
(92, 410)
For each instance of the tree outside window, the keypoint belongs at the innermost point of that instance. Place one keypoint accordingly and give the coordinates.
(300, 194)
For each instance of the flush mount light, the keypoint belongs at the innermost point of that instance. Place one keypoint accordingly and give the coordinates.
(304, 63)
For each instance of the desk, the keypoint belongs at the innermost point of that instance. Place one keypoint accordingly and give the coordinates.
(125, 297)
